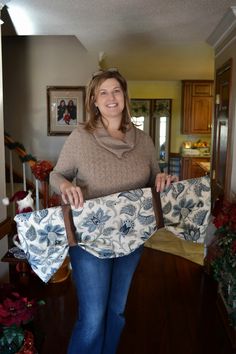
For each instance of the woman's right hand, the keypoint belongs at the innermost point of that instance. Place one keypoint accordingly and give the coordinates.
(71, 194)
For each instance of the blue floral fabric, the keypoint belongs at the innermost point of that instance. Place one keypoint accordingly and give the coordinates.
(43, 238)
(186, 208)
(114, 225)
(107, 227)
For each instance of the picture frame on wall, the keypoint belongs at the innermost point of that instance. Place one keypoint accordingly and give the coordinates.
(66, 108)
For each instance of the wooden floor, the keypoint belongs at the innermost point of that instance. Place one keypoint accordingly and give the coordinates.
(171, 309)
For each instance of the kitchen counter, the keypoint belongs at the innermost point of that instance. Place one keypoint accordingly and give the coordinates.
(206, 166)
(195, 166)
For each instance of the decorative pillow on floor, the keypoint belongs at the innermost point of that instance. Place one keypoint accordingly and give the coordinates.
(186, 207)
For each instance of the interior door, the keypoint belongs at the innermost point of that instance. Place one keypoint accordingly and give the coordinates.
(221, 143)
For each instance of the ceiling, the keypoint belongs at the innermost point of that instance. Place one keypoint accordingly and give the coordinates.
(116, 28)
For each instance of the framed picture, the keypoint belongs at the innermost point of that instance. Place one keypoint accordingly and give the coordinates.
(65, 108)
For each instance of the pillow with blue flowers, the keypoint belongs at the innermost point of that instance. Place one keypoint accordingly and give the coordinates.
(186, 207)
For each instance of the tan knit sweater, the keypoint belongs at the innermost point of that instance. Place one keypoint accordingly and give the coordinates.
(102, 165)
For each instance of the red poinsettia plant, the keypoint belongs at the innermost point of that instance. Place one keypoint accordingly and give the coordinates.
(225, 216)
(16, 309)
(15, 312)
(224, 260)
(225, 222)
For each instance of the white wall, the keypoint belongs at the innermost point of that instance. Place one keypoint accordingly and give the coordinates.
(30, 64)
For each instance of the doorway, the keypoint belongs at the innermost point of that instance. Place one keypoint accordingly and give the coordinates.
(221, 160)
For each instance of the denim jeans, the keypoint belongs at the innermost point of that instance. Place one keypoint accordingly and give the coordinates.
(102, 287)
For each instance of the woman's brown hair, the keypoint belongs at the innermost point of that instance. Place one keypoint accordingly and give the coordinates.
(93, 112)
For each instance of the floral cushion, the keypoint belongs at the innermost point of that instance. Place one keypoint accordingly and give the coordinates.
(110, 226)
(186, 208)
(43, 238)
(114, 225)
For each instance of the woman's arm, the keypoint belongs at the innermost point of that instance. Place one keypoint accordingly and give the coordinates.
(65, 171)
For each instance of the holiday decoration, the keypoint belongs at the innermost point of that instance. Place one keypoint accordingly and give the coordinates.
(223, 259)
(24, 201)
(42, 169)
(14, 145)
(16, 314)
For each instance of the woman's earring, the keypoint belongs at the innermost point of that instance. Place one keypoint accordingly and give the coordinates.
(97, 112)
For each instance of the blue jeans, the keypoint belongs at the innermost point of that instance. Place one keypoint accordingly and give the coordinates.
(102, 287)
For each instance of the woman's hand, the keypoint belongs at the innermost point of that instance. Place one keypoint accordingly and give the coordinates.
(71, 194)
(163, 180)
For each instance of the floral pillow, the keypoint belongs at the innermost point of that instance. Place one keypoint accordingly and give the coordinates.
(186, 207)
(107, 227)
(114, 225)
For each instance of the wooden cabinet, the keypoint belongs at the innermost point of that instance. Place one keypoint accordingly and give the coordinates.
(190, 167)
(197, 103)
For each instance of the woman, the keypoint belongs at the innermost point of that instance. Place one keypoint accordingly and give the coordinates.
(61, 108)
(104, 156)
(71, 108)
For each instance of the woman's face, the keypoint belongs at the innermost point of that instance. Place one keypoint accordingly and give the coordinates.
(109, 99)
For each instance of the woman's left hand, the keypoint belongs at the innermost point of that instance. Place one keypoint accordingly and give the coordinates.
(163, 180)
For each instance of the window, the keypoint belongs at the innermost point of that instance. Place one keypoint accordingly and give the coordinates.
(154, 116)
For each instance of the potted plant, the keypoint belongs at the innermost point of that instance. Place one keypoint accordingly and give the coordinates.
(16, 314)
(223, 259)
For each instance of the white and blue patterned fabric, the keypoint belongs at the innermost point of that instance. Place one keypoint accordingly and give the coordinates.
(107, 227)
(114, 225)
(43, 238)
(186, 207)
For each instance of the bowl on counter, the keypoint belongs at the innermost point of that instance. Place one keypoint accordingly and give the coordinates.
(196, 152)
(190, 152)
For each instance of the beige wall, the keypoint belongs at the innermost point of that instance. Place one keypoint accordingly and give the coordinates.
(32, 63)
(179, 61)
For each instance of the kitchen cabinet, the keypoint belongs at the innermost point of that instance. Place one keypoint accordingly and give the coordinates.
(190, 167)
(197, 105)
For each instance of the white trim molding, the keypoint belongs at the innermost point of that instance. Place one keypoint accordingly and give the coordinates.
(223, 29)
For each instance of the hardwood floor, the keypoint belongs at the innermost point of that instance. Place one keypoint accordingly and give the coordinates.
(171, 309)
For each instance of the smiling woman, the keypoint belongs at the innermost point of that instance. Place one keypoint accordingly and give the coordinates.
(103, 156)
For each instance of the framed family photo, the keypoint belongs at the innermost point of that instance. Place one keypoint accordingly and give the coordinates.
(65, 108)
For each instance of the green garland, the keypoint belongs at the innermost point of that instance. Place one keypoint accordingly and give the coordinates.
(16, 145)
(27, 158)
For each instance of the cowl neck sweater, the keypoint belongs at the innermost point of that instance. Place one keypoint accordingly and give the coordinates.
(116, 146)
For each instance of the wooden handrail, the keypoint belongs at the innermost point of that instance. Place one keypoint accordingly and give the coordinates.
(5, 227)
(19, 149)
(40, 169)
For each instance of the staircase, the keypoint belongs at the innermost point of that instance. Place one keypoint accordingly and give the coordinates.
(34, 174)
(23, 173)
